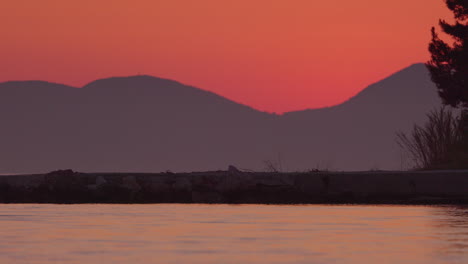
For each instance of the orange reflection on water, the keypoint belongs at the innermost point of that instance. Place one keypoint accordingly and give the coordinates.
(173, 233)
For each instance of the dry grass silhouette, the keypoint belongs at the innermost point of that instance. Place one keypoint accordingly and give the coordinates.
(437, 144)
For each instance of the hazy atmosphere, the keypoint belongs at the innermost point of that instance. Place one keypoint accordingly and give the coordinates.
(234, 131)
(147, 124)
(259, 58)
(274, 56)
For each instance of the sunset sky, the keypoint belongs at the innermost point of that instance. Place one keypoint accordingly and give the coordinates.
(274, 55)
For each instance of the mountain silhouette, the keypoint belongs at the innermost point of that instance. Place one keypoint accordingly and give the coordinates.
(148, 124)
(359, 134)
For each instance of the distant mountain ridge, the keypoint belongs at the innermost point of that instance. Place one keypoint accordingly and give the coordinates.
(148, 124)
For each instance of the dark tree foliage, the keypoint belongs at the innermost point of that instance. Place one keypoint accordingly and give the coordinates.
(449, 62)
(442, 143)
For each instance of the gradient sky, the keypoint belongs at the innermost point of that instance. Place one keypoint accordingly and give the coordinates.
(274, 55)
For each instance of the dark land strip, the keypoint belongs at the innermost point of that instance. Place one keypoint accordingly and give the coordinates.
(235, 187)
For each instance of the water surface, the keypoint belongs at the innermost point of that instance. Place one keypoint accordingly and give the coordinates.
(174, 233)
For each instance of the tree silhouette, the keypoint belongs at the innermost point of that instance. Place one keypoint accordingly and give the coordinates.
(449, 62)
(442, 143)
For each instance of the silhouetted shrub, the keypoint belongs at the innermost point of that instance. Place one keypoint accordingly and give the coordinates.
(438, 143)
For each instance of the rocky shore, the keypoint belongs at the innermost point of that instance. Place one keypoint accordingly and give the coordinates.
(235, 187)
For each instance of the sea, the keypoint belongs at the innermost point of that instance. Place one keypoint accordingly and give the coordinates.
(201, 233)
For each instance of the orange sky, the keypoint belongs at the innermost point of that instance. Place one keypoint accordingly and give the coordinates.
(274, 55)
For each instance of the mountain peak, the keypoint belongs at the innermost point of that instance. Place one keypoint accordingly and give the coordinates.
(135, 80)
(406, 85)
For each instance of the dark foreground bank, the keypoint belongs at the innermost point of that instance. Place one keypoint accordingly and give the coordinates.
(437, 187)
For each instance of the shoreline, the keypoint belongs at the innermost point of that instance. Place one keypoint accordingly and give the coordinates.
(236, 187)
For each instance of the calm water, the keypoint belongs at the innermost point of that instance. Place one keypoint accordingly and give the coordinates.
(232, 234)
